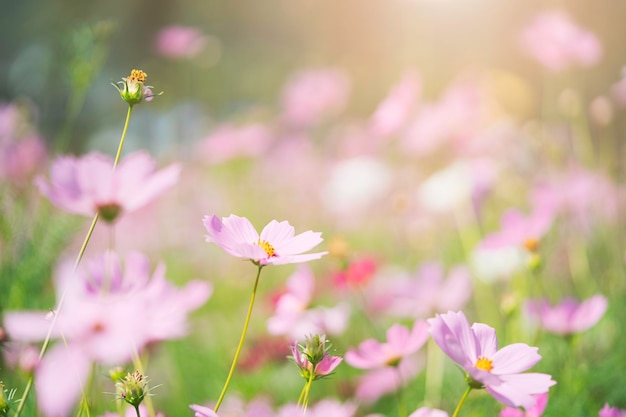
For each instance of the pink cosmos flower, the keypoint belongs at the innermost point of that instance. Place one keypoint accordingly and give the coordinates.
(358, 273)
(569, 316)
(536, 410)
(554, 40)
(378, 382)
(428, 412)
(89, 184)
(611, 412)
(109, 312)
(324, 408)
(295, 318)
(401, 342)
(424, 293)
(393, 112)
(228, 142)
(311, 96)
(519, 231)
(475, 348)
(130, 412)
(201, 411)
(276, 245)
(619, 89)
(178, 42)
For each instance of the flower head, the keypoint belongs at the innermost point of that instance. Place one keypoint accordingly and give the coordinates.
(89, 184)
(611, 412)
(133, 89)
(475, 348)
(401, 342)
(276, 245)
(313, 359)
(133, 388)
(520, 231)
(569, 316)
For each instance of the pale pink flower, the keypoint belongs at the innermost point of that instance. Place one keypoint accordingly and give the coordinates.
(520, 231)
(19, 160)
(201, 411)
(554, 40)
(393, 112)
(234, 406)
(109, 313)
(295, 318)
(428, 412)
(401, 342)
(619, 89)
(424, 293)
(228, 142)
(88, 184)
(179, 42)
(611, 412)
(568, 316)
(323, 408)
(475, 348)
(376, 383)
(312, 96)
(130, 412)
(276, 245)
(536, 410)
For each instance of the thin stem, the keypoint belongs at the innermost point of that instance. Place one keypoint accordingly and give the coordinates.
(307, 391)
(241, 339)
(137, 410)
(121, 145)
(434, 373)
(400, 394)
(46, 342)
(461, 401)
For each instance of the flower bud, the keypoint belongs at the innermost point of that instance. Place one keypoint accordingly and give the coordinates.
(315, 348)
(132, 388)
(116, 374)
(4, 401)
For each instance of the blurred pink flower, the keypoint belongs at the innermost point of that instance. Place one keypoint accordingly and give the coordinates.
(378, 382)
(89, 184)
(323, 408)
(130, 412)
(401, 342)
(228, 142)
(536, 410)
(311, 96)
(201, 411)
(554, 40)
(295, 318)
(619, 89)
(21, 159)
(393, 112)
(611, 412)
(475, 348)
(356, 274)
(569, 316)
(109, 312)
(428, 412)
(179, 42)
(519, 231)
(423, 293)
(276, 245)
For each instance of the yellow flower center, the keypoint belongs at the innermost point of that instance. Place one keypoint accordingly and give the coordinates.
(137, 75)
(484, 364)
(269, 249)
(531, 244)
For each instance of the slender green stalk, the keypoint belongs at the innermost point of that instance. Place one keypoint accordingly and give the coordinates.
(434, 373)
(241, 339)
(137, 411)
(402, 411)
(461, 401)
(303, 401)
(46, 342)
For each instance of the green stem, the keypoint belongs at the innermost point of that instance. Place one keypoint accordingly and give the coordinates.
(307, 390)
(458, 407)
(46, 342)
(400, 394)
(121, 145)
(241, 339)
(137, 410)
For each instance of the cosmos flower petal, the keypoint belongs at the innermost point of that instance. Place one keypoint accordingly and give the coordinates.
(515, 358)
(201, 411)
(519, 390)
(453, 334)
(301, 243)
(487, 339)
(277, 233)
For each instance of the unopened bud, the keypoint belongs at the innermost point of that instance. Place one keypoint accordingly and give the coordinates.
(132, 388)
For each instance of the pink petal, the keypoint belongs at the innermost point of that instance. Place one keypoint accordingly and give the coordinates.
(518, 390)
(515, 358)
(487, 340)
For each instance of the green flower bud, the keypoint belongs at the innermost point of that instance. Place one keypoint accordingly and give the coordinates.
(4, 401)
(132, 388)
(116, 374)
(133, 89)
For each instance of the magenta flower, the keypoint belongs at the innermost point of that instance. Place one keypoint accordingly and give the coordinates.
(109, 312)
(428, 412)
(401, 342)
(276, 245)
(520, 231)
(536, 410)
(611, 412)
(554, 40)
(179, 42)
(475, 348)
(130, 412)
(201, 411)
(324, 408)
(89, 185)
(569, 316)
(228, 142)
(393, 112)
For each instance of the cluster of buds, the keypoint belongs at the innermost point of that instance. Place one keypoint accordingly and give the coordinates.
(133, 388)
(313, 358)
(133, 89)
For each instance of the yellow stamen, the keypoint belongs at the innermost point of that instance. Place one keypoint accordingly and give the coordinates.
(484, 364)
(269, 249)
(137, 75)
(531, 244)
